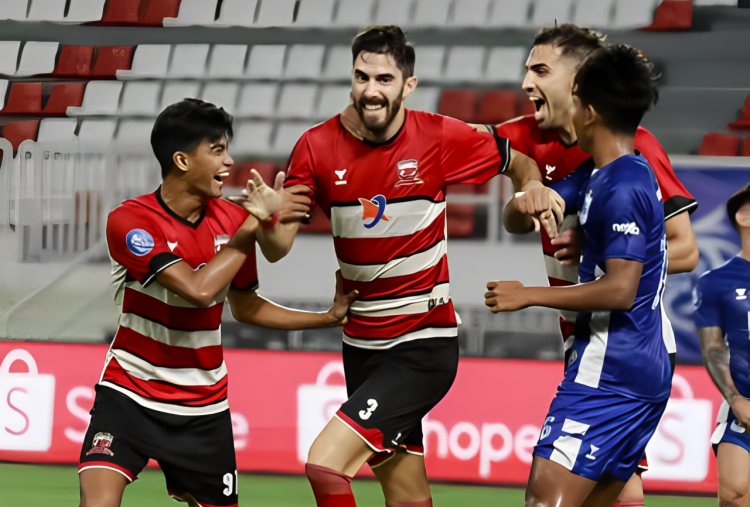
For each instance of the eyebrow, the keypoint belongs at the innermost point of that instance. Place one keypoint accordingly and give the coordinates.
(363, 74)
(538, 66)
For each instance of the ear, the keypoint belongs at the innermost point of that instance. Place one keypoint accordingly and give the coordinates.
(590, 116)
(181, 161)
(409, 86)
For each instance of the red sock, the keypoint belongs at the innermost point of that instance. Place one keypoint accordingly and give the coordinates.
(423, 503)
(331, 488)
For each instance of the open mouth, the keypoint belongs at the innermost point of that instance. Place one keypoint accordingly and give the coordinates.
(219, 177)
(538, 103)
(374, 107)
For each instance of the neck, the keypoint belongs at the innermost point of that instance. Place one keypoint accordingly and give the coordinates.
(567, 133)
(353, 124)
(745, 240)
(181, 198)
(607, 146)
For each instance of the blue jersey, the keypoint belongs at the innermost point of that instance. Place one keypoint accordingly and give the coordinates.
(622, 217)
(721, 298)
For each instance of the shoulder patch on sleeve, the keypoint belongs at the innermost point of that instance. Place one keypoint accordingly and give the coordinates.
(139, 242)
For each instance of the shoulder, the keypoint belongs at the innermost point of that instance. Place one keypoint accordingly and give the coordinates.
(322, 131)
(233, 211)
(523, 132)
(134, 210)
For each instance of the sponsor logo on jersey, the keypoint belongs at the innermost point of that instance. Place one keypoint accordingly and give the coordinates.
(591, 453)
(550, 169)
(139, 242)
(171, 245)
(220, 241)
(741, 294)
(584, 214)
(373, 210)
(737, 427)
(408, 173)
(372, 405)
(340, 174)
(629, 228)
(101, 444)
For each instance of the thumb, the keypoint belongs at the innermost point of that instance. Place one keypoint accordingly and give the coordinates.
(352, 296)
(536, 224)
(278, 184)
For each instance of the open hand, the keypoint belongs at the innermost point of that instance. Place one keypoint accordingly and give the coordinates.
(505, 296)
(341, 302)
(569, 244)
(258, 198)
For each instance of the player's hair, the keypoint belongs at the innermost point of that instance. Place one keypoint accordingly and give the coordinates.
(183, 126)
(736, 202)
(575, 41)
(620, 83)
(386, 40)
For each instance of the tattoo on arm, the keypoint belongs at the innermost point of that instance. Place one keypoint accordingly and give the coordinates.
(716, 358)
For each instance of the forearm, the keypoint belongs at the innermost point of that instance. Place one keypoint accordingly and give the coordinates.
(276, 242)
(515, 221)
(682, 249)
(260, 311)
(522, 171)
(716, 359)
(599, 295)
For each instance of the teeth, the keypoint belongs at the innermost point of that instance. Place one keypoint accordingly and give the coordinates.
(224, 174)
(374, 107)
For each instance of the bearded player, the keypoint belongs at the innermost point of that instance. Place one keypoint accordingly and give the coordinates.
(383, 186)
(177, 253)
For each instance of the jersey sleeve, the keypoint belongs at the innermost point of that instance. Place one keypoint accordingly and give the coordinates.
(707, 310)
(674, 194)
(468, 156)
(624, 229)
(139, 245)
(300, 168)
(571, 186)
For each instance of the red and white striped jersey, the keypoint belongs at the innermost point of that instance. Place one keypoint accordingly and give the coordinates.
(167, 352)
(386, 203)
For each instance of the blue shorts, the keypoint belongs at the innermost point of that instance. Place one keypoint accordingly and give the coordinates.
(594, 433)
(728, 430)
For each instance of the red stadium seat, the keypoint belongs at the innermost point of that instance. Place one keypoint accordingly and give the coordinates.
(459, 104)
(63, 96)
(120, 12)
(746, 147)
(24, 98)
(672, 15)
(109, 59)
(497, 107)
(74, 61)
(460, 220)
(744, 122)
(156, 10)
(20, 131)
(719, 145)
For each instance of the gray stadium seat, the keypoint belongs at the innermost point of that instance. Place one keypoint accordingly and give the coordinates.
(297, 101)
(304, 62)
(37, 58)
(100, 98)
(135, 132)
(506, 64)
(140, 98)
(509, 13)
(149, 61)
(227, 61)
(188, 60)
(9, 57)
(430, 60)
(424, 98)
(393, 12)
(96, 129)
(471, 12)
(257, 100)
(356, 13)
(276, 13)
(338, 63)
(634, 13)
(237, 13)
(266, 62)
(252, 137)
(194, 12)
(547, 11)
(333, 100)
(593, 13)
(85, 11)
(465, 63)
(315, 12)
(175, 91)
(432, 12)
(287, 135)
(222, 95)
(57, 129)
(46, 10)
(13, 9)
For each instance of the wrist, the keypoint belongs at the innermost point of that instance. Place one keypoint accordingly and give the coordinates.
(271, 222)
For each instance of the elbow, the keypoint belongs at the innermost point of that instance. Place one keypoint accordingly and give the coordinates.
(691, 261)
(203, 300)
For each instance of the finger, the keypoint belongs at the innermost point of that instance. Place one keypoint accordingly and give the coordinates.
(490, 302)
(298, 189)
(352, 296)
(278, 184)
(257, 178)
(301, 199)
(488, 295)
(548, 222)
(557, 210)
(536, 224)
(491, 285)
(250, 188)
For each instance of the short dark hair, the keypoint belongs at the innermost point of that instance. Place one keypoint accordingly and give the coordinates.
(621, 85)
(736, 202)
(386, 40)
(574, 40)
(184, 125)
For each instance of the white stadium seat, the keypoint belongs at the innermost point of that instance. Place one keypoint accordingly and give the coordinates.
(3, 90)
(509, 13)
(338, 63)
(194, 12)
(465, 63)
(188, 60)
(100, 98)
(287, 135)
(634, 13)
(237, 13)
(506, 64)
(227, 61)
(85, 11)
(47, 10)
(9, 57)
(96, 129)
(175, 91)
(393, 12)
(257, 100)
(333, 100)
(432, 12)
(423, 98)
(430, 61)
(252, 137)
(297, 101)
(593, 13)
(37, 58)
(13, 9)
(355, 13)
(276, 13)
(471, 12)
(315, 12)
(149, 61)
(547, 11)
(222, 95)
(140, 98)
(266, 62)
(57, 129)
(304, 62)
(135, 132)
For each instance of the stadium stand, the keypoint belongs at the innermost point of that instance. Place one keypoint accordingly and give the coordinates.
(193, 12)
(304, 61)
(57, 129)
(227, 61)
(62, 97)
(354, 13)
(84, 11)
(315, 13)
(237, 13)
(720, 145)
(266, 62)
(672, 15)
(743, 123)
(459, 104)
(496, 107)
(594, 13)
(470, 13)
(37, 58)
(19, 131)
(188, 60)
(276, 13)
(100, 98)
(9, 57)
(746, 147)
(149, 61)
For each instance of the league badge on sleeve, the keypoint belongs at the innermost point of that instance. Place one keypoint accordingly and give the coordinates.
(139, 242)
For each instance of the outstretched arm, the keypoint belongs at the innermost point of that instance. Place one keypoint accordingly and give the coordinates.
(716, 358)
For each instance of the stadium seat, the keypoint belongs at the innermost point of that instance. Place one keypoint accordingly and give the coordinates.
(140, 98)
(149, 61)
(194, 12)
(240, 173)
(315, 13)
(237, 13)
(338, 63)
(746, 147)
(471, 12)
(227, 61)
(297, 101)
(178, 90)
(304, 62)
(424, 98)
(719, 145)
(287, 135)
(4, 83)
(9, 57)
(593, 13)
(19, 131)
(222, 95)
(394, 12)
(546, 12)
(109, 59)
(506, 64)
(459, 104)
(266, 62)
(257, 100)
(96, 129)
(156, 11)
(333, 100)
(13, 9)
(74, 61)
(120, 12)
(634, 13)
(497, 106)
(37, 58)
(57, 129)
(47, 10)
(252, 137)
(744, 121)
(509, 13)
(137, 132)
(354, 13)
(188, 60)
(672, 15)
(276, 13)
(431, 12)
(62, 97)
(85, 11)
(465, 63)
(24, 98)
(430, 61)
(100, 98)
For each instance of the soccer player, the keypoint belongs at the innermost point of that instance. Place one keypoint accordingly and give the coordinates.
(177, 253)
(383, 186)
(721, 316)
(619, 378)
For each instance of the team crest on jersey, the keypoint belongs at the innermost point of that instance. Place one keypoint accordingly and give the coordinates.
(373, 210)
(101, 444)
(408, 173)
(586, 205)
(139, 242)
(220, 241)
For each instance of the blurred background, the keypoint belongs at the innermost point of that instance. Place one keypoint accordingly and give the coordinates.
(81, 82)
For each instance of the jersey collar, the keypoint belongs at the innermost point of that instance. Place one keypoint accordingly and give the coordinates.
(171, 213)
(389, 141)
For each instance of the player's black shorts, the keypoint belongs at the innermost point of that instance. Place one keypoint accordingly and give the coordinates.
(196, 453)
(391, 390)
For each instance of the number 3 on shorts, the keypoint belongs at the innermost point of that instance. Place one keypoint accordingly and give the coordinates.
(231, 482)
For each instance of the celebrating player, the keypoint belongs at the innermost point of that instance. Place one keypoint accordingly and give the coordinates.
(619, 377)
(721, 317)
(383, 186)
(176, 255)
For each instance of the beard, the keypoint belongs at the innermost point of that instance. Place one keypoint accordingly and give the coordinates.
(391, 110)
